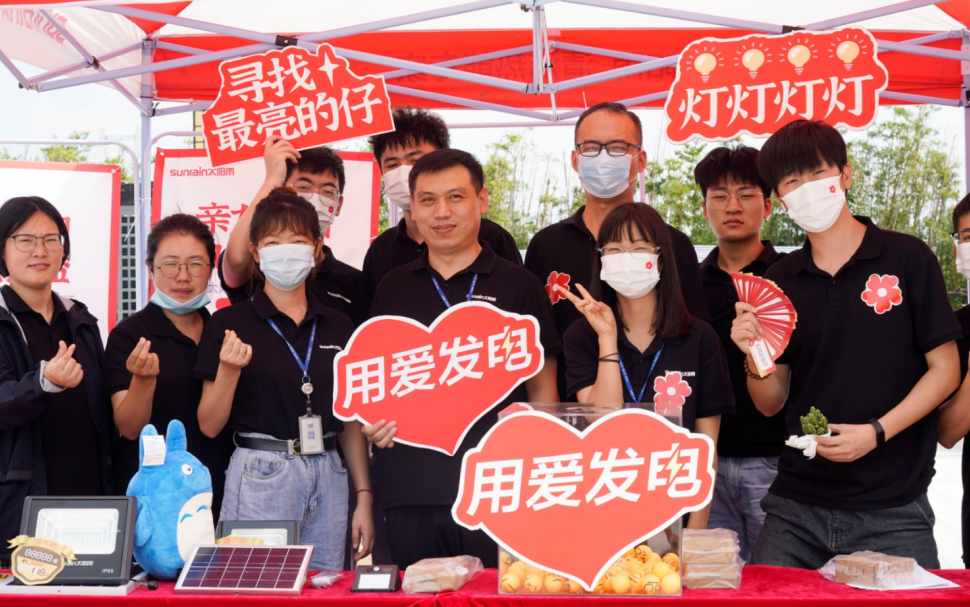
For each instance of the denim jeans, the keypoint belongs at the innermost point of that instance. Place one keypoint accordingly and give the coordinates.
(800, 535)
(309, 489)
(741, 484)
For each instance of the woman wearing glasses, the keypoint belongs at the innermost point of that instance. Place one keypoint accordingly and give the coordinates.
(55, 424)
(150, 355)
(637, 342)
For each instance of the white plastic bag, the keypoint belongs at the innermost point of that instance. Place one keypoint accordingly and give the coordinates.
(806, 443)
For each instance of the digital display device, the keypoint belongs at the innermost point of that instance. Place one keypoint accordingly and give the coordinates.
(100, 531)
(258, 570)
(376, 578)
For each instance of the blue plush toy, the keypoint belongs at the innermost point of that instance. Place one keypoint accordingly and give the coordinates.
(174, 505)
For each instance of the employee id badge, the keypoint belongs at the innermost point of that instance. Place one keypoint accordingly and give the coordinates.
(311, 435)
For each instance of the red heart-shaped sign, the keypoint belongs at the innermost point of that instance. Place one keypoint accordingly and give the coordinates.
(573, 502)
(435, 382)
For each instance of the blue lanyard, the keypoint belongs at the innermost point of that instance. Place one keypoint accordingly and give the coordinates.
(304, 364)
(626, 378)
(444, 298)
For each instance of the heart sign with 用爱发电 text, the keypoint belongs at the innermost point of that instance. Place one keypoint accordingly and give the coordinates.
(572, 502)
(435, 382)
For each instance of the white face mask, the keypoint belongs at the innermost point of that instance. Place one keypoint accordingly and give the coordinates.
(963, 259)
(815, 206)
(396, 186)
(632, 275)
(326, 209)
(286, 266)
(605, 176)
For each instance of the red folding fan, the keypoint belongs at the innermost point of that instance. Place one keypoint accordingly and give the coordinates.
(776, 314)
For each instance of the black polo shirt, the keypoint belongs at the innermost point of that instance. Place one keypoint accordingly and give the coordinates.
(268, 396)
(963, 316)
(696, 355)
(393, 248)
(568, 247)
(746, 433)
(411, 476)
(176, 395)
(68, 436)
(337, 286)
(855, 364)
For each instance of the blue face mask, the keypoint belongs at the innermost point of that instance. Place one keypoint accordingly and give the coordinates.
(605, 176)
(165, 302)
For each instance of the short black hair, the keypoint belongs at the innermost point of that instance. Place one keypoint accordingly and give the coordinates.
(800, 146)
(284, 209)
(627, 219)
(738, 164)
(17, 211)
(412, 127)
(180, 223)
(318, 160)
(962, 208)
(616, 108)
(442, 160)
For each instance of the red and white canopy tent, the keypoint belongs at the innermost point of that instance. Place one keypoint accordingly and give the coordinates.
(543, 60)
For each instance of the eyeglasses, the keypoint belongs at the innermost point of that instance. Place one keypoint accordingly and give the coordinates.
(643, 248)
(591, 149)
(306, 188)
(747, 199)
(26, 242)
(961, 237)
(171, 269)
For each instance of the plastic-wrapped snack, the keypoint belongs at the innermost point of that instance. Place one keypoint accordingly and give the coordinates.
(720, 575)
(710, 546)
(438, 575)
(708, 540)
(871, 570)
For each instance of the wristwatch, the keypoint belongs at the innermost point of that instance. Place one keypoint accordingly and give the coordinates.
(880, 433)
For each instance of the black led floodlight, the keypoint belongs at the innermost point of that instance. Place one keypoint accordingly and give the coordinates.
(100, 531)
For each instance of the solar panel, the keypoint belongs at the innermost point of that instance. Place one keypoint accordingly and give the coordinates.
(261, 570)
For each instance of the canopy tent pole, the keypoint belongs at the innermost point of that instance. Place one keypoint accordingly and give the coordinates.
(83, 64)
(24, 83)
(143, 215)
(90, 59)
(592, 50)
(921, 99)
(882, 11)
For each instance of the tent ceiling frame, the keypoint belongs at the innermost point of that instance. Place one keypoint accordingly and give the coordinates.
(539, 50)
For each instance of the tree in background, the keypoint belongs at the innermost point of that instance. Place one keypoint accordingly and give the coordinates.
(906, 180)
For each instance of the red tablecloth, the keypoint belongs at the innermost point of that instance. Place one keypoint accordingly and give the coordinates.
(760, 586)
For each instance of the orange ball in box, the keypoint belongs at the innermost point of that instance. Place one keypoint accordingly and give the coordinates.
(533, 582)
(612, 571)
(652, 560)
(642, 552)
(519, 569)
(504, 558)
(632, 565)
(650, 584)
(620, 584)
(671, 583)
(511, 582)
(573, 587)
(601, 586)
(661, 569)
(672, 560)
(554, 583)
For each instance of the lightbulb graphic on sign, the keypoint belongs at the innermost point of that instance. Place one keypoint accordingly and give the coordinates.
(753, 59)
(798, 56)
(705, 64)
(847, 52)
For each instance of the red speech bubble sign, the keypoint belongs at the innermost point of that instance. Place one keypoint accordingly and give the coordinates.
(759, 83)
(573, 502)
(435, 382)
(307, 98)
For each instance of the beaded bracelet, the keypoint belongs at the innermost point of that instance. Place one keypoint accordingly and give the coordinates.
(747, 370)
